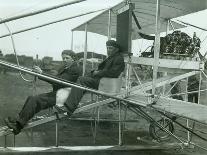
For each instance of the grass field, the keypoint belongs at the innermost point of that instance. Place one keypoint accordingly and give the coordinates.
(14, 91)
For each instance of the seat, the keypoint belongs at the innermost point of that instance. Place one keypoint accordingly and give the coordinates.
(111, 85)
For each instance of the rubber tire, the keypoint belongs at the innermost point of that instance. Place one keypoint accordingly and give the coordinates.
(153, 126)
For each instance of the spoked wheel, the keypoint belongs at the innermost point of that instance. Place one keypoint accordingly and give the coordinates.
(158, 133)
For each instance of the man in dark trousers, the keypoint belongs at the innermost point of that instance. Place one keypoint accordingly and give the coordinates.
(70, 71)
(111, 67)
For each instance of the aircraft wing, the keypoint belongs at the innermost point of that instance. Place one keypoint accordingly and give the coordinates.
(145, 12)
(193, 111)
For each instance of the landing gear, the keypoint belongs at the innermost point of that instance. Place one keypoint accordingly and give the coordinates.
(158, 133)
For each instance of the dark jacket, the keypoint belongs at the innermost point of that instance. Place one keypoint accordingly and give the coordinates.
(193, 83)
(70, 74)
(111, 67)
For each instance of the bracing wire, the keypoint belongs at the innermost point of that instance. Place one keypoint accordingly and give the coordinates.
(14, 49)
(25, 9)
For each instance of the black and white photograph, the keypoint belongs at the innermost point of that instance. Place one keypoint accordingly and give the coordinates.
(107, 77)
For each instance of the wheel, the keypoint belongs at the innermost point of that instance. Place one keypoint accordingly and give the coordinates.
(158, 133)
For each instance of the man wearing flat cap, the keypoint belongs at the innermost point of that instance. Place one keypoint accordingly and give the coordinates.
(70, 70)
(111, 67)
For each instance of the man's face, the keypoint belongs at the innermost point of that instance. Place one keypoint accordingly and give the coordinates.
(67, 59)
(111, 50)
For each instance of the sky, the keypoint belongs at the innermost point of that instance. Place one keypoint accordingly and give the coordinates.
(52, 40)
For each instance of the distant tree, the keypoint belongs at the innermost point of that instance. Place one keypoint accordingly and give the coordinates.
(10, 58)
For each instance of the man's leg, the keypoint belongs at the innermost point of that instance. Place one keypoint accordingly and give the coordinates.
(33, 105)
(76, 94)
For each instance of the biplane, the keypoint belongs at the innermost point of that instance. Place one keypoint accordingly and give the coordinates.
(125, 22)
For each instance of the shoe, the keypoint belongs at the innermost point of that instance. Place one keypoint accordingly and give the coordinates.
(62, 109)
(69, 111)
(59, 109)
(11, 119)
(16, 129)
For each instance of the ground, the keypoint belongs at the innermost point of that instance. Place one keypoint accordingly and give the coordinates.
(13, 92)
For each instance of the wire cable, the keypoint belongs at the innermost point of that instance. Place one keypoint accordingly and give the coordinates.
(14, 49)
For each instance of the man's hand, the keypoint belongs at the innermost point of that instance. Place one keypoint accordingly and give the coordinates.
(95, 73)
(37, 69)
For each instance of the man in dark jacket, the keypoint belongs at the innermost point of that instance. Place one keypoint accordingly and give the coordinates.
(70, 71)
(111, 67)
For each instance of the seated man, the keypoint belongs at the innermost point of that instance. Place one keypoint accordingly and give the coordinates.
(111, 67)
(70, 71)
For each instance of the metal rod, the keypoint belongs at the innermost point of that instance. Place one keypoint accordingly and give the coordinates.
(199, 87)
(168, 27)
(130, 29)
(124, 121)
(104, 120)
(46, 24)
(5, 141)
(32, 135)
(85, 49)
(56, 134)
(186, 99)
(109, 25)
(98, 113)
(14, 141)
(157, 47)
(71, 41)
(120, 123)
(39, 11)
(95, 130)
(127, 77)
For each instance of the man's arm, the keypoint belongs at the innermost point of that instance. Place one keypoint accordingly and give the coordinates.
(72, 73)
(114, 71)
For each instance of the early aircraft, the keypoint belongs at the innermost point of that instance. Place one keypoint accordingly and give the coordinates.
(126, 21)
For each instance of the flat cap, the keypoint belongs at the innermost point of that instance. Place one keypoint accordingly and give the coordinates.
(70, 53)
(112, 43)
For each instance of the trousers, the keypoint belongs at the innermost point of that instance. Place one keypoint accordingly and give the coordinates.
(34, 104)
(76, 94)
